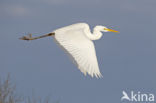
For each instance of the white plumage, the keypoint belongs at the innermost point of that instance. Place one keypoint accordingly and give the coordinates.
(81, 48)
(76, 40)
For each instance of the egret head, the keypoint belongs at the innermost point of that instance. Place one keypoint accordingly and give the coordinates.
(105, 29)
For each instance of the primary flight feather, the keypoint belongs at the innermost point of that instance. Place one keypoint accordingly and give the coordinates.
(76, 40)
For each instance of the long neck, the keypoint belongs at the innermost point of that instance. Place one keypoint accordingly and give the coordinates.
(95, 35)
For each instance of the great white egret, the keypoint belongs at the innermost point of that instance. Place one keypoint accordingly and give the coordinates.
(76, 40)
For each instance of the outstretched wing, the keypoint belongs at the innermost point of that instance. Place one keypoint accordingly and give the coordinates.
(80, 48)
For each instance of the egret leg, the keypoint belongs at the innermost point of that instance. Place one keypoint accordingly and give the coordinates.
(29, 37)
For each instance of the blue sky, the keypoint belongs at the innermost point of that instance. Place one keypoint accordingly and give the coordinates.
(127, 60)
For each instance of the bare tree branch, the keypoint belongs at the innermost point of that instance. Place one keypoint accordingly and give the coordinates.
(8, 94)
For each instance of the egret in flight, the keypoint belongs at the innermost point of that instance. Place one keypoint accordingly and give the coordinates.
(76, 40)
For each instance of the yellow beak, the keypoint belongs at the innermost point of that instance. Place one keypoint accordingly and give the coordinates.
(111, 30)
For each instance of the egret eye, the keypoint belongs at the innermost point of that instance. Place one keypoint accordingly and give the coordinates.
(105, 29)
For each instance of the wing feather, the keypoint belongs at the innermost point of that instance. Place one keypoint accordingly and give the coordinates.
(80, 48)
